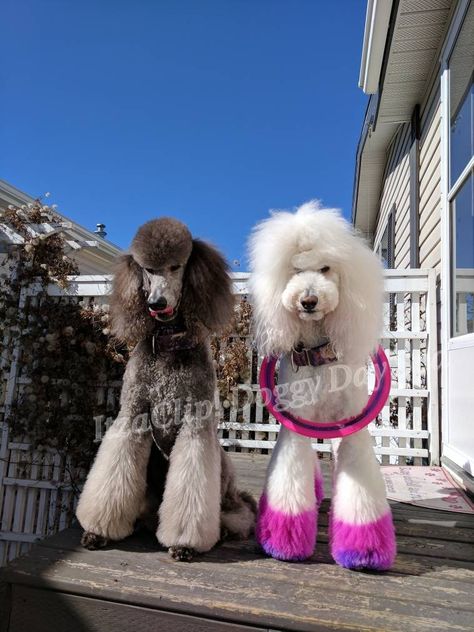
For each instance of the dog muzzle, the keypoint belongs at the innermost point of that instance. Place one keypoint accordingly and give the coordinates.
(168, 313)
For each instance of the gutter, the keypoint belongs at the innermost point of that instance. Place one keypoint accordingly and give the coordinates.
(367, 128)
(377, 20)
(378, 34)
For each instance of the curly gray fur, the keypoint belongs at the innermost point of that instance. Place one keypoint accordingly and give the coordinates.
(187, 481)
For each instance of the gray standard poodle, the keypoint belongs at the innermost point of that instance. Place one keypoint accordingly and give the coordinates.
(161, 457)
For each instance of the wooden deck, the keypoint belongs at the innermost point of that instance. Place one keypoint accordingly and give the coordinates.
(133, 586)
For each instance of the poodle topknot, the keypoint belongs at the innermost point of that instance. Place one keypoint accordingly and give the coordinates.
(314, 248)
(160, 241)
(164, 246)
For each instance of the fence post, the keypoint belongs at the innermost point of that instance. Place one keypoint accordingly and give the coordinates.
(6, 495)
(433, 416)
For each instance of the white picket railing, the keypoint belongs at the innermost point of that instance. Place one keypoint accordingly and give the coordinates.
(37, 487)
(408, 432)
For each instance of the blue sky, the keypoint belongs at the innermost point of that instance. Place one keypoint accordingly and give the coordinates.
(213, 111)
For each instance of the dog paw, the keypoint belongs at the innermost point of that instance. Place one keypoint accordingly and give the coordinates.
(285, 536)
(92, 541)
(365, 546)
(181, 553)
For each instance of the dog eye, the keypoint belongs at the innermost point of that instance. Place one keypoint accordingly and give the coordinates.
(325, 269)
(175, 267)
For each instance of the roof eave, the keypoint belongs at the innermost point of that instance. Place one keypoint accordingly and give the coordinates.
(367, 126)
(377, 21)
(18, 197)
(404, 61)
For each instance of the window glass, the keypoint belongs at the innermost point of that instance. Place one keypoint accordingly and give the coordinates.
(461, 98)
(462, 209)
(385, 249)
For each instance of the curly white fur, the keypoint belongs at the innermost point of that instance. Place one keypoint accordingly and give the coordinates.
(309, 240)
(314, 254)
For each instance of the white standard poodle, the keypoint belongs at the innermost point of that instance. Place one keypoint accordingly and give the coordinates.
(317, 292)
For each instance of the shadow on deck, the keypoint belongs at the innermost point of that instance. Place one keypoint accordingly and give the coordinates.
(133, 586)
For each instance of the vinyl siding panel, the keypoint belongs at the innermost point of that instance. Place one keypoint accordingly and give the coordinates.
(430, 175)
(396, 188)
(396, 191)
(430, 180)
(433, 260)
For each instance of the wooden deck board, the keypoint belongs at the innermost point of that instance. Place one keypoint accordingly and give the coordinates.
(135, 586)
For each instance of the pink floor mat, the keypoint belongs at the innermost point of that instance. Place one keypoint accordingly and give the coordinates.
(426, 486)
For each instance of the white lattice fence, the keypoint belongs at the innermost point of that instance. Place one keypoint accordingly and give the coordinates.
(407, 429)
(37, 487)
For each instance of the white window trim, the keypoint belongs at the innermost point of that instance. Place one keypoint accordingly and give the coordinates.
(461, 179)
(391, 236)
(447, 342)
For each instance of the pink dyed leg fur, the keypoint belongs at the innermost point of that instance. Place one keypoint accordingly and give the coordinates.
(359, 546)
(285, 536)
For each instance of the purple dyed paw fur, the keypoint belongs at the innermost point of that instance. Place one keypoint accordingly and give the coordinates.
(361, 546)
(283, 536)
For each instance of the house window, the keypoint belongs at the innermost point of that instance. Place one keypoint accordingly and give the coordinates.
(461, 177)
(463, 258)
(386, 248)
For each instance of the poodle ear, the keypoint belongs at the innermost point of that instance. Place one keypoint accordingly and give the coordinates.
(356, 324)
(207, 292)
(129, 319)
(275, 330)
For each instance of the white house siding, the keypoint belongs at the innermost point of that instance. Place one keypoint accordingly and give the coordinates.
(396, 188)
(396, 191)
(430, 176)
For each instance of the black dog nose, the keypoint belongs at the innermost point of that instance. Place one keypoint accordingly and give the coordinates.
(161, 303)
(309, 303)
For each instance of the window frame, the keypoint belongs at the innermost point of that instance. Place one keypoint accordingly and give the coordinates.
(389, 231)
(449, 191)
(450, 346)
(447, 194)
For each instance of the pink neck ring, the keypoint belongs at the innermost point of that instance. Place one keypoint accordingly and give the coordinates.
(330, 429)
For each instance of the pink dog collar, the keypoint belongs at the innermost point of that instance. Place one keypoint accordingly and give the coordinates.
(332, 429)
